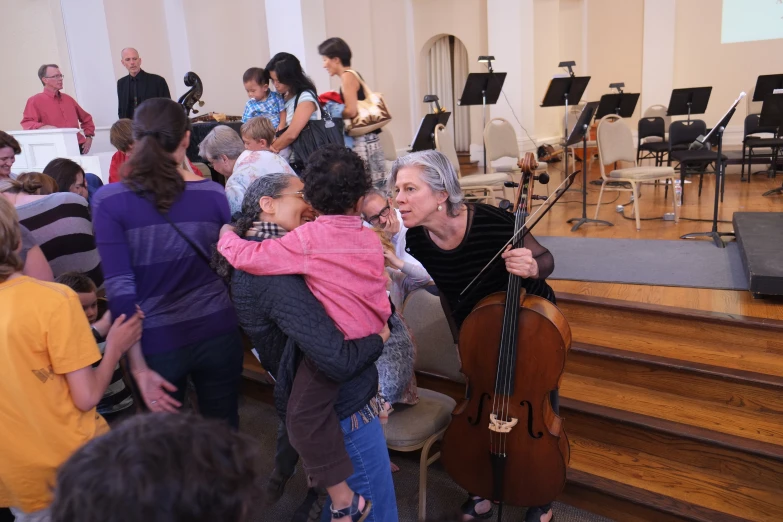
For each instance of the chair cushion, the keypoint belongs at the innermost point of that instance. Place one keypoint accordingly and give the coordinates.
(655, 146)
(484, 180)
(764, 142)
(412, 425)
(694, 155)
(640, 173)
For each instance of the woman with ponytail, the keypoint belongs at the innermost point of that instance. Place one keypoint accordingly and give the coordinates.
(154, 230)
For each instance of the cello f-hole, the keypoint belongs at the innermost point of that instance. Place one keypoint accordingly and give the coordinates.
(474, 422)
(530, 420)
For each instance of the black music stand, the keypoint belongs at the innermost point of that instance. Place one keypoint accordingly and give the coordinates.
(579, 133)
(425, 136)
(692, 100)
(766, 85)
(716, 133)
(772, 116)
(561, 92)
(623, 104)
(482, 89)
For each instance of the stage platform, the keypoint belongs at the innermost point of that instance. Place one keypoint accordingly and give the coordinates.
(760, 237)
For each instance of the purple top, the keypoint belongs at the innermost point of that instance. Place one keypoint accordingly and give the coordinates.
(148, 263)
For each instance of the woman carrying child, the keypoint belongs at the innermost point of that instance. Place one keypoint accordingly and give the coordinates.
(343, 265)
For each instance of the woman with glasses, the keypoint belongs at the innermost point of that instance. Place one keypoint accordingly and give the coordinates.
(154, 230)
(406, 273)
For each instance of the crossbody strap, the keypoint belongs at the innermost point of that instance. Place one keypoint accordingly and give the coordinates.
(193, 245)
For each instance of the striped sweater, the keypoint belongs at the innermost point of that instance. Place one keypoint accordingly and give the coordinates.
(60, 224)
(148, 263)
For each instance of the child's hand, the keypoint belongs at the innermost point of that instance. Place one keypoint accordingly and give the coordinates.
(385, 333)
(392, 258)
(225, 229)
(124, 334)
(103, 324)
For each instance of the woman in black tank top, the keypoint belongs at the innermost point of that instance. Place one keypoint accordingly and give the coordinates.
(453, 240)
(336, 56)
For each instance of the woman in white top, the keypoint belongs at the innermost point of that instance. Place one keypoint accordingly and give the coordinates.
(225, 151)
(299, 93)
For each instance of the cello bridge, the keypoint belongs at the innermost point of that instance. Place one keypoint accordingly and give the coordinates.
(501, 426)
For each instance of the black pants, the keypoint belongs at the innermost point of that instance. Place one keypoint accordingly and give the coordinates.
(286, 456)
(215, 367)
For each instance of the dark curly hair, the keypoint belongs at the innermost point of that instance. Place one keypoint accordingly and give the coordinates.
(159, 125)
(159, 468)
(335, 178)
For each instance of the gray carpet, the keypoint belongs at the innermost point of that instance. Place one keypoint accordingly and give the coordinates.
(259, 420)
(689, 263)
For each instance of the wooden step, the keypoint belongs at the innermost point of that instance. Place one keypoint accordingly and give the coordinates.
(719, 340)
(674, 471)
(747, 391)
(464, 159)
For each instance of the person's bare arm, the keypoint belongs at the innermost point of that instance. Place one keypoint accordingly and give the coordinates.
(37, 266)
(350, 94)
(87, 385)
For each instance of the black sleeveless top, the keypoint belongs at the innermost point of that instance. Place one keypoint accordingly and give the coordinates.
(489, 228)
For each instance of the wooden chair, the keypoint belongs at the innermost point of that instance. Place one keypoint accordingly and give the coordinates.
(615, 143)
(418, 427)
(477, 187)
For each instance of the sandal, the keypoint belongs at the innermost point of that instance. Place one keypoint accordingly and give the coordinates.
(534, 514)
(469, 509)
(353, 510)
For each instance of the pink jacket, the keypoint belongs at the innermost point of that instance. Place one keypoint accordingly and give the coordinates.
(341, 261)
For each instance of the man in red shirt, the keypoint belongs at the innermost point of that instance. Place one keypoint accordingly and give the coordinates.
(52, 108)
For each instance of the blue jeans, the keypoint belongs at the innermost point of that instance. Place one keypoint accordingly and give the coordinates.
(372, 477)
(214, 365)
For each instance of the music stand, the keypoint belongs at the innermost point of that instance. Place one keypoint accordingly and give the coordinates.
(425, 136)
(623, 104)
(772, 116)
(692, 100)
(766, 85)
(565, 91)
(579, 133)
(482, 89)
(720, 173)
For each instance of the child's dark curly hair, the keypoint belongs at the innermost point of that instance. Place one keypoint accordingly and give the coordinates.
(335, 178)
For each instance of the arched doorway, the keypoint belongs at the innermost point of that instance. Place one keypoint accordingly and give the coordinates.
(447, 70)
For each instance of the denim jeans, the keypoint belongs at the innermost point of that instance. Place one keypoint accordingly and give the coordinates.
(214, 365)
(372, 476)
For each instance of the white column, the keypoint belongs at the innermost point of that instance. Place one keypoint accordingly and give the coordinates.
(658, 52)
(510, 29)
(91, 63)
(178, 45)
(297, 27)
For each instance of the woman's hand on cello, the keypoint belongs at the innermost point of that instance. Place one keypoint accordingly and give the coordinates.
(520, 262)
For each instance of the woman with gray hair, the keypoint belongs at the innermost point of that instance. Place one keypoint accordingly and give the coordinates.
(225, 151)
(453, 240)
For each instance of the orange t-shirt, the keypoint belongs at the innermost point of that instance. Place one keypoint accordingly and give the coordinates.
(44, 334)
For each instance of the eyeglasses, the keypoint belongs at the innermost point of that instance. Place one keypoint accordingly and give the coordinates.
(298, 194)
(55, 77)
(376, 219)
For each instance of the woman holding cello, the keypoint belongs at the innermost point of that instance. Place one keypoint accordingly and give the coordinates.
(454, 240)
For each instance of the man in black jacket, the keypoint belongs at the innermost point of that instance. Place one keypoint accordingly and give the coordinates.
(138, 85)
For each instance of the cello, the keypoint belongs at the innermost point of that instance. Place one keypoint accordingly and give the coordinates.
(193, 95)
(505, 443)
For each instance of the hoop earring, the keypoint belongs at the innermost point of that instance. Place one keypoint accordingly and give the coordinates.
(440, 208)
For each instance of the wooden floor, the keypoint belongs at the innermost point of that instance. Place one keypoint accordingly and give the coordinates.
(739, 196)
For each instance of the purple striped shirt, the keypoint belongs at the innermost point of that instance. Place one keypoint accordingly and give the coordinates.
(146, 262)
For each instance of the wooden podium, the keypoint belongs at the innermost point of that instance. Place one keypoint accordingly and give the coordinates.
(41, 146)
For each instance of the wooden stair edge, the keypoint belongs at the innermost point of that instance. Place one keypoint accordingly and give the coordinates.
(671, 311)
(694, 433)
(680, 365)
(647, 498)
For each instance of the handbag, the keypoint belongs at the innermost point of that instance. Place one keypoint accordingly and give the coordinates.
(372, 113)
(316, 134)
